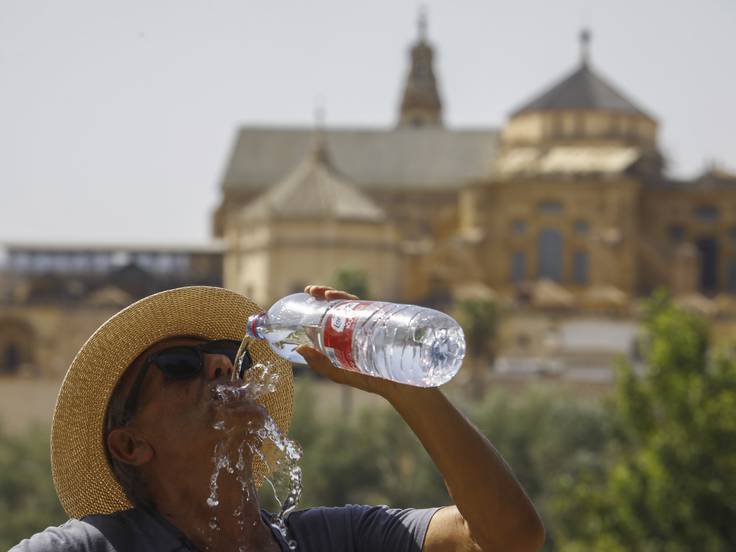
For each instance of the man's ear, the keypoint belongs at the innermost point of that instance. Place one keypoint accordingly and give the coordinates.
(127, 447)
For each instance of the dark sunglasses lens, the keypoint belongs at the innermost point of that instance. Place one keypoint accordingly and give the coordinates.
(179, 363)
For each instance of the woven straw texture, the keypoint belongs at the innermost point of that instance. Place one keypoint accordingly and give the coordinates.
(83, 478)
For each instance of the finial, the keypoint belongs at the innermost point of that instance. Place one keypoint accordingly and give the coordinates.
(320, 135)
(422, 23)
(585, 38)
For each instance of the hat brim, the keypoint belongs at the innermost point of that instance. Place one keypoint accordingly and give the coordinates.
(82, 475)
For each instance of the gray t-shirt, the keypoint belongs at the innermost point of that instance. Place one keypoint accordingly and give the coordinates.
(347, 529)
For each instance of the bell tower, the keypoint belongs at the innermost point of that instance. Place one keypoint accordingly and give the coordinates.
(421, 104)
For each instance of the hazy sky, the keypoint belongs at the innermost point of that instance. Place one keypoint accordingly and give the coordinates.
(116, 118)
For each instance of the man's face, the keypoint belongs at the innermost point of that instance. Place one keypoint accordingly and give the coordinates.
(183, 420)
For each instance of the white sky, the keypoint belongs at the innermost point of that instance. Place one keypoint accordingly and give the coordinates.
(116, 118)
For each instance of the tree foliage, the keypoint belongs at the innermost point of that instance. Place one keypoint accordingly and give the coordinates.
(670, 482)
(653, 469)
(479, 320)
(352, 281)
(28, 502)
(544, 434)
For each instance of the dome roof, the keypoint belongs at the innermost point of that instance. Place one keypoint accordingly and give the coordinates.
(583, 89)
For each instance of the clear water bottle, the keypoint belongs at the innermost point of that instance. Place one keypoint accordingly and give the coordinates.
(403, 343)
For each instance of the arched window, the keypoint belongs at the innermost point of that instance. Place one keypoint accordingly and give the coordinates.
(17, 340)
(10, 362)
(518, 266)
(706, 213)
(580, 264)
(549, 254)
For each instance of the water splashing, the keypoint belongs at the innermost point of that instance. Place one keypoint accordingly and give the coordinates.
(262, 441)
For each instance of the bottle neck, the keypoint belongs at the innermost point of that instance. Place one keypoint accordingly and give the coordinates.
(255, 322)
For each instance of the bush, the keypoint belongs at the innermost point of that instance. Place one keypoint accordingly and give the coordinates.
(28, 502)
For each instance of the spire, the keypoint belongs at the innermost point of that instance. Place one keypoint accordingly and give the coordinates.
(319, 151)
(585, 38)
(422, 24)
(421, 104)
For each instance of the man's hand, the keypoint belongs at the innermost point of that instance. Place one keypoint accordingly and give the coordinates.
(492, 513)
(323, 366)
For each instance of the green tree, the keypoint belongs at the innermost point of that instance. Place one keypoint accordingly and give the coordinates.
(671, 479)
(479, 320)
(352, 281)
(28, 502)
(373, 458)
(546, 435)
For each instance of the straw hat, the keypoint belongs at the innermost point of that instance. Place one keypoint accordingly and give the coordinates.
(82, 475)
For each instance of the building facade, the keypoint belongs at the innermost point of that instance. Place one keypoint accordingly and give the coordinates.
(564, 214)
(571, 191)
(54, 296)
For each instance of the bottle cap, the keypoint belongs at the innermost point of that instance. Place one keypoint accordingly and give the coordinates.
(251, 326)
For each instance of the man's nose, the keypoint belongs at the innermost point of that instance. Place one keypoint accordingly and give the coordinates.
(218, 367)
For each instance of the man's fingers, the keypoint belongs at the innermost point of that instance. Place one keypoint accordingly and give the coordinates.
(327, 292)
(317, 290)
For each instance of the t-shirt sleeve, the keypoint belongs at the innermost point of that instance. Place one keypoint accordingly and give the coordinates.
(73, 536)
(361, 528)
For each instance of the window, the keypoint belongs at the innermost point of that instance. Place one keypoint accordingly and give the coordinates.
(101, 262)
(181, 263)
(10, 359)
(549, 252)
(706, 213)
(165, 263)
(20, 261)
(580, 267)
(581, 227)
(518, 227)
(16, 346)
(146, 261)
(550, 207)
(676, 233)
(518, 266)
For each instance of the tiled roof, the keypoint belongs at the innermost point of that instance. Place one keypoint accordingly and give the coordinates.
(405, 158)
(314, 190)
(583, 89)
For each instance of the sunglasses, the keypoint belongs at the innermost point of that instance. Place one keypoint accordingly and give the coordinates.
(183, 362)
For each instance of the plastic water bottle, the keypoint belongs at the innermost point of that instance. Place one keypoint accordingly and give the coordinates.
(403, 343)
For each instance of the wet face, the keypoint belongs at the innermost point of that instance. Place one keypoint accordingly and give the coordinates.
(178, 423)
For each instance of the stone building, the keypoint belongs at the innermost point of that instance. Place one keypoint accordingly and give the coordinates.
(571, 191)
(412, 172)
(565, 214)
(314, 219)
(54, 296)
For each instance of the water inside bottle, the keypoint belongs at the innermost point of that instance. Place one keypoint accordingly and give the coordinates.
(234, 459)
(287, 339)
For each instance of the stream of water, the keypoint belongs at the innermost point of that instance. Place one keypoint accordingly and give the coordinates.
(266, 443)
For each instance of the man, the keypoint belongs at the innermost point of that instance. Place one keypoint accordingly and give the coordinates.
(139, 416)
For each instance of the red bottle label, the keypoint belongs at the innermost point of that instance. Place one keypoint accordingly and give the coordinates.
(338, 332)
